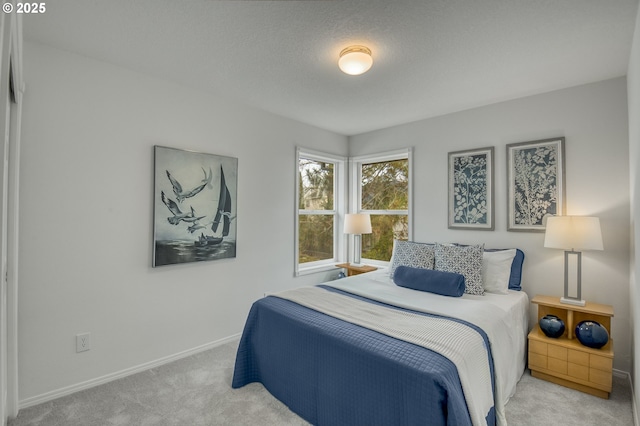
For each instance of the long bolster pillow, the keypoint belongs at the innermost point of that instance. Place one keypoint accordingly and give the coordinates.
(439, 282)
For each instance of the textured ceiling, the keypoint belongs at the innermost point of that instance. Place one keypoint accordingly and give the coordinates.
(431, 57)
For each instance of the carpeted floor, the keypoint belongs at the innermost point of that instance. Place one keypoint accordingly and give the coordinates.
(196, 391)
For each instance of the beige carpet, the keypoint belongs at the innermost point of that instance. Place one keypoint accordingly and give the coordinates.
(197, 391)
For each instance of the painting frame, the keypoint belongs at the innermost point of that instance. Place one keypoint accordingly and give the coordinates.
(471, 184)
(195, 206)
(538, 166)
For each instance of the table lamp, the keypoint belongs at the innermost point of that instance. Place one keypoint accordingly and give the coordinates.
(573, 233)
(357, 224)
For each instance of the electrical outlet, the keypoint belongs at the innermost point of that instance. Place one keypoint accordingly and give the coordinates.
(83, 342)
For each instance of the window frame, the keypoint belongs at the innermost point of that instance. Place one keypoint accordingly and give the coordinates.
(339, 204)
(355, 193)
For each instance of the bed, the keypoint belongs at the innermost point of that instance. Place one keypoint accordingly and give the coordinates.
(364, 350)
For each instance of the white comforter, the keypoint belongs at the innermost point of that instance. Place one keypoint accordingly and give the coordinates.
(503, 317)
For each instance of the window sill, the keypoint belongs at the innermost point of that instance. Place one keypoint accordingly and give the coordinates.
(380, 264)
(316, 269)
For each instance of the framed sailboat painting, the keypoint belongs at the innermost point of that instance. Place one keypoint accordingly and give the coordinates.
(194, 206)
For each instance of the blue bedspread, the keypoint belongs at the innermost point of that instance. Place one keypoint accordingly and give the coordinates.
(331, 372)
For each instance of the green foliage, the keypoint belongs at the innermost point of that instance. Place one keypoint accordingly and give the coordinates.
(316, 185)
(315, 231)
(385, 186)
(385, 228)
(315, 238)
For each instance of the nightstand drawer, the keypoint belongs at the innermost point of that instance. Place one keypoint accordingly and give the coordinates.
(600, 377)
(538, 347)
(578, 371)
(557, 352)
(557, 365)
(578, 357)
(601, 363)
(537, 360)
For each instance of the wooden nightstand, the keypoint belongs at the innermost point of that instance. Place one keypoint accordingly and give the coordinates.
(565, 361)
(355, 270)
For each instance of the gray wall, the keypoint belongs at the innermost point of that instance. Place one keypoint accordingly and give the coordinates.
(593, 119)
(86, 205)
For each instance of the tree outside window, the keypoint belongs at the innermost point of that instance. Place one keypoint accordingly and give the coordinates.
(384, 194)
(316, 210)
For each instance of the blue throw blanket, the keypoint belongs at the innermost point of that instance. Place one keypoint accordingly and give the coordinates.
(331, 372)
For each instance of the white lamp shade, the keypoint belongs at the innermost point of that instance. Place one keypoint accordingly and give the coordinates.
(573, 232)
(355, 60)
(357, 223)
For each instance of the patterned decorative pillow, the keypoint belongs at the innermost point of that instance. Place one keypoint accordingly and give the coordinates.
(465, 260)
(412, 254)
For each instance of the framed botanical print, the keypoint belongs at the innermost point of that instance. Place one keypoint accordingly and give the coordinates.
(536, 187)
(471, 189)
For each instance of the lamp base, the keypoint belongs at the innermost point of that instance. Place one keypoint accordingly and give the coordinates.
(357, 265)
(576, 302)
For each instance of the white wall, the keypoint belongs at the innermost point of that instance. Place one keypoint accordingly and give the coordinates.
(86, 211)
(633, 93)
(10, 115)
(593, 119)
(86, 208)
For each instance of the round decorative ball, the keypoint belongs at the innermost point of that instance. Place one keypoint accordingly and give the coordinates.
(552, 326)
(592, 334)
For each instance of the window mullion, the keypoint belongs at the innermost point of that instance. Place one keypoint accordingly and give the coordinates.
(320, 212)
(390, 212)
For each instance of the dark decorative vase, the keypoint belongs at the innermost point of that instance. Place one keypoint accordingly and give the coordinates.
(552, 326)
(592, 334)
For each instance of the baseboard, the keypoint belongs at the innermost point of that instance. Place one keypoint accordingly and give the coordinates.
(634, 408)
(621, 374)
(68, 390)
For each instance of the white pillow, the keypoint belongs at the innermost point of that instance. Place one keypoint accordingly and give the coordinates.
(496, 270)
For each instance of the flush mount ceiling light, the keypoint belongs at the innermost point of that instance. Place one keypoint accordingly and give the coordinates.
(355, 60)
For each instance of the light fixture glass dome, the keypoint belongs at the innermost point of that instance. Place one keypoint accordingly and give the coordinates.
(355, 60)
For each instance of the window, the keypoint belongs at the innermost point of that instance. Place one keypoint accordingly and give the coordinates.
(382, 188)
(319, 203)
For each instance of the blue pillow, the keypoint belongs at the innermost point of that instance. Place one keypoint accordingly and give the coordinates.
(438, 282)
(516, 271)
(515, 279)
